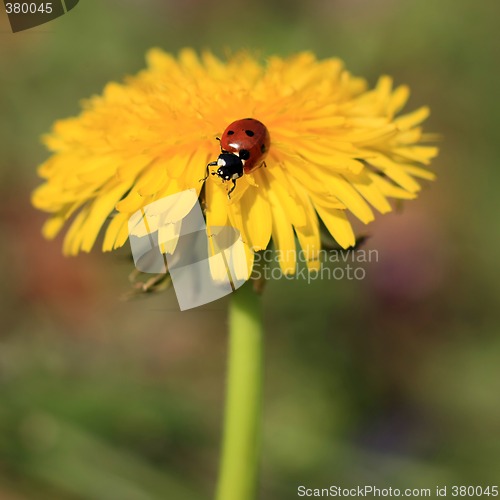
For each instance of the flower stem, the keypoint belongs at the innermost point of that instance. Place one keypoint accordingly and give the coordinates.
(241, 441)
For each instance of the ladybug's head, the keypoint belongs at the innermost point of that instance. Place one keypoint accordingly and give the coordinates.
(230, 166)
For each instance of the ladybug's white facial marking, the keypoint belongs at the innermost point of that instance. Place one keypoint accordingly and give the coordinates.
(230, 166)
(223, 175)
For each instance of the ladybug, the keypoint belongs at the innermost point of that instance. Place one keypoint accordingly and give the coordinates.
(244, 145)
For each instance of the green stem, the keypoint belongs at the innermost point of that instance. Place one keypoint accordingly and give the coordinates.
(241, 441)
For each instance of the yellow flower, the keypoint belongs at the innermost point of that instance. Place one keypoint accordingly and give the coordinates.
(336, 147)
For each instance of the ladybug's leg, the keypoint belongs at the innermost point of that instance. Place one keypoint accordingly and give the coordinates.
(232, 189)
(207, 172)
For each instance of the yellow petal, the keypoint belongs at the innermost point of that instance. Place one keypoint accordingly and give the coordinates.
(398, 100)
(396, 172)
(132, 202)
(279, 185)
(421, 154)
(420, 172)
(343, 191)
(387, 188)
(99, 210)
(370, 192)
(257, 218)
(308, 234)
(216, 205)
(153, 179)
(113, 230)
(408, 121)
(52, 226)
(338, 225)
(71, 244)
(283, 235)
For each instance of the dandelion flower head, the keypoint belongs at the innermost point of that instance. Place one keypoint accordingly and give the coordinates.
(339, 149)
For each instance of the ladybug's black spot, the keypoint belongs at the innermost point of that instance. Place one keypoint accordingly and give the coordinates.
(248, 118)
(263, 148)
(250, 133)
(230, 132)
(244, 154)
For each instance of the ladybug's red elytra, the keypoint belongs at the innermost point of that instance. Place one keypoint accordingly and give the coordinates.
(244, 145)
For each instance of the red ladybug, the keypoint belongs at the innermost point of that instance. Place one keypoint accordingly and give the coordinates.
(244, 145)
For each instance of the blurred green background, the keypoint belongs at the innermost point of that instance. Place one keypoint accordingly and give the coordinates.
(390, 381)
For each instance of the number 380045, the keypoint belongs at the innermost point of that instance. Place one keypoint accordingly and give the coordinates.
(28, 8)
